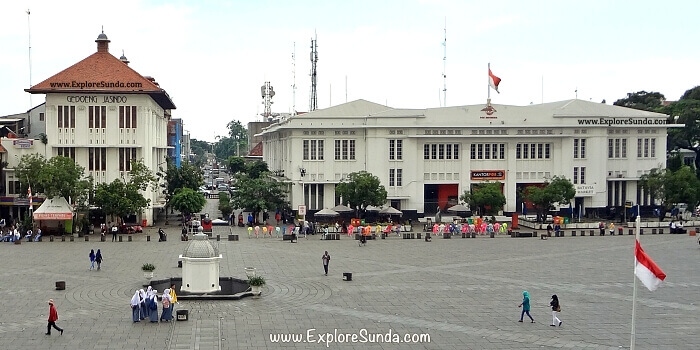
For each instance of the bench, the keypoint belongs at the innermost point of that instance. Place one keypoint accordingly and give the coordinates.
(518, 234)
(370, 237)
(347, 276)
(233, 237)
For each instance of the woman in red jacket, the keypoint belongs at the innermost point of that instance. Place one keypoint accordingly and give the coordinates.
(53, 317)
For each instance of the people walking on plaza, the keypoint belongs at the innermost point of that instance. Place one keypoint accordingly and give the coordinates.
(98, 259)
(250, 219)
(38, 234)
(601, 227)
(556, 309)
(549, 229)
(53, 317)
(152, 304)
(173, 298)
(526, 307)
(612, 228)
(136, 306)
(257, 231)
(166, 315)
(326, 259)
(92, 259)
(114, 232)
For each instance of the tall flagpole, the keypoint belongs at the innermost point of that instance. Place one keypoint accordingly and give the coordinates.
(488, 84)
(637, 222)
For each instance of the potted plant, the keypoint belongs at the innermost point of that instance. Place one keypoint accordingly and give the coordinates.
(148, 270)
(256, 283)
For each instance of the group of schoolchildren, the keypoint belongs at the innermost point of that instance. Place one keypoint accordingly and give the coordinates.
(144, 305)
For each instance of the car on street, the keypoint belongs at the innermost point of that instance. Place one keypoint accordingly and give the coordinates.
(222, 187)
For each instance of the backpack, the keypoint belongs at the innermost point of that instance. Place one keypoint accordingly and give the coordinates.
(152, 304)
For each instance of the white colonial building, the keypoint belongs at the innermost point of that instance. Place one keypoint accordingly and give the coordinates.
(427, 158)
(103, 114)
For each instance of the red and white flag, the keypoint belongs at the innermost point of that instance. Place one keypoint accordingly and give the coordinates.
(29, 194)
(494, 81)
(646, 269)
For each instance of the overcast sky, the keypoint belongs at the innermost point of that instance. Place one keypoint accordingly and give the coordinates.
(213, 56)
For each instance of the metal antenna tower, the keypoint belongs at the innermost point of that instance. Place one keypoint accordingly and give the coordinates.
(313, 104)
(29, 37)
(267, 94)
(294, 80)
(444, 68)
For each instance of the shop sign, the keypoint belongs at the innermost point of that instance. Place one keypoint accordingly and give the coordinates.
(488, 174)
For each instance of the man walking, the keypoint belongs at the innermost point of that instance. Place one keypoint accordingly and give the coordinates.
(114, 232)
(53, 317)
(326, 259)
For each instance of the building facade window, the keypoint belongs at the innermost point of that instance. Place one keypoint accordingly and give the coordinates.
(617, 148)
(97, 117)
(532, 151)
(646, 148)
(344, 150)
(66, 117)
(313, 196)
(313, 149)
(395, 149)
(97, 159)
(126, 155)
(68, 152)
(127, 117)
(13, 187)
(579, 148)
(41, 117)
(579, 175)
(395, 177)
(441, 151)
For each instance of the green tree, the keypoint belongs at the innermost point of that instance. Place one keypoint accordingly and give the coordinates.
(559, 190)
(256, 169)
(361, 190)
(687, 109)
(672, 187)
(225, 147)
(258, 194)
(225, 205)
(236, 165)
(187, 176)
(119, 198)
(646, 101)
(188, 201)
(59, 176)
(27, 171)
(486, 196)
(239, 137)
(682, 186)
(199, 148)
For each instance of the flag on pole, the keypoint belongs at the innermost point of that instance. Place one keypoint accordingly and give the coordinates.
(494, 81)
(29, 194)
(646, 269)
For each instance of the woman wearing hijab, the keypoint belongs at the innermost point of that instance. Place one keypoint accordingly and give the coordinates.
(135, 306)
(92, 259)
(167, 313)
(142, 305)
(555, 311)
(152, 305)
(98, 259)
(526, 307)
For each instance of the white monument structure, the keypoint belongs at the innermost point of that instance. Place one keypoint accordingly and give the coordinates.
(200, 266)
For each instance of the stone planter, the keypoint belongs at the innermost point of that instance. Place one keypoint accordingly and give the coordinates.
(257, 290)
(148, 274)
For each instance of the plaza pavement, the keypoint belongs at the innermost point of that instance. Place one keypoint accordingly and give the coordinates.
(464, 293)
